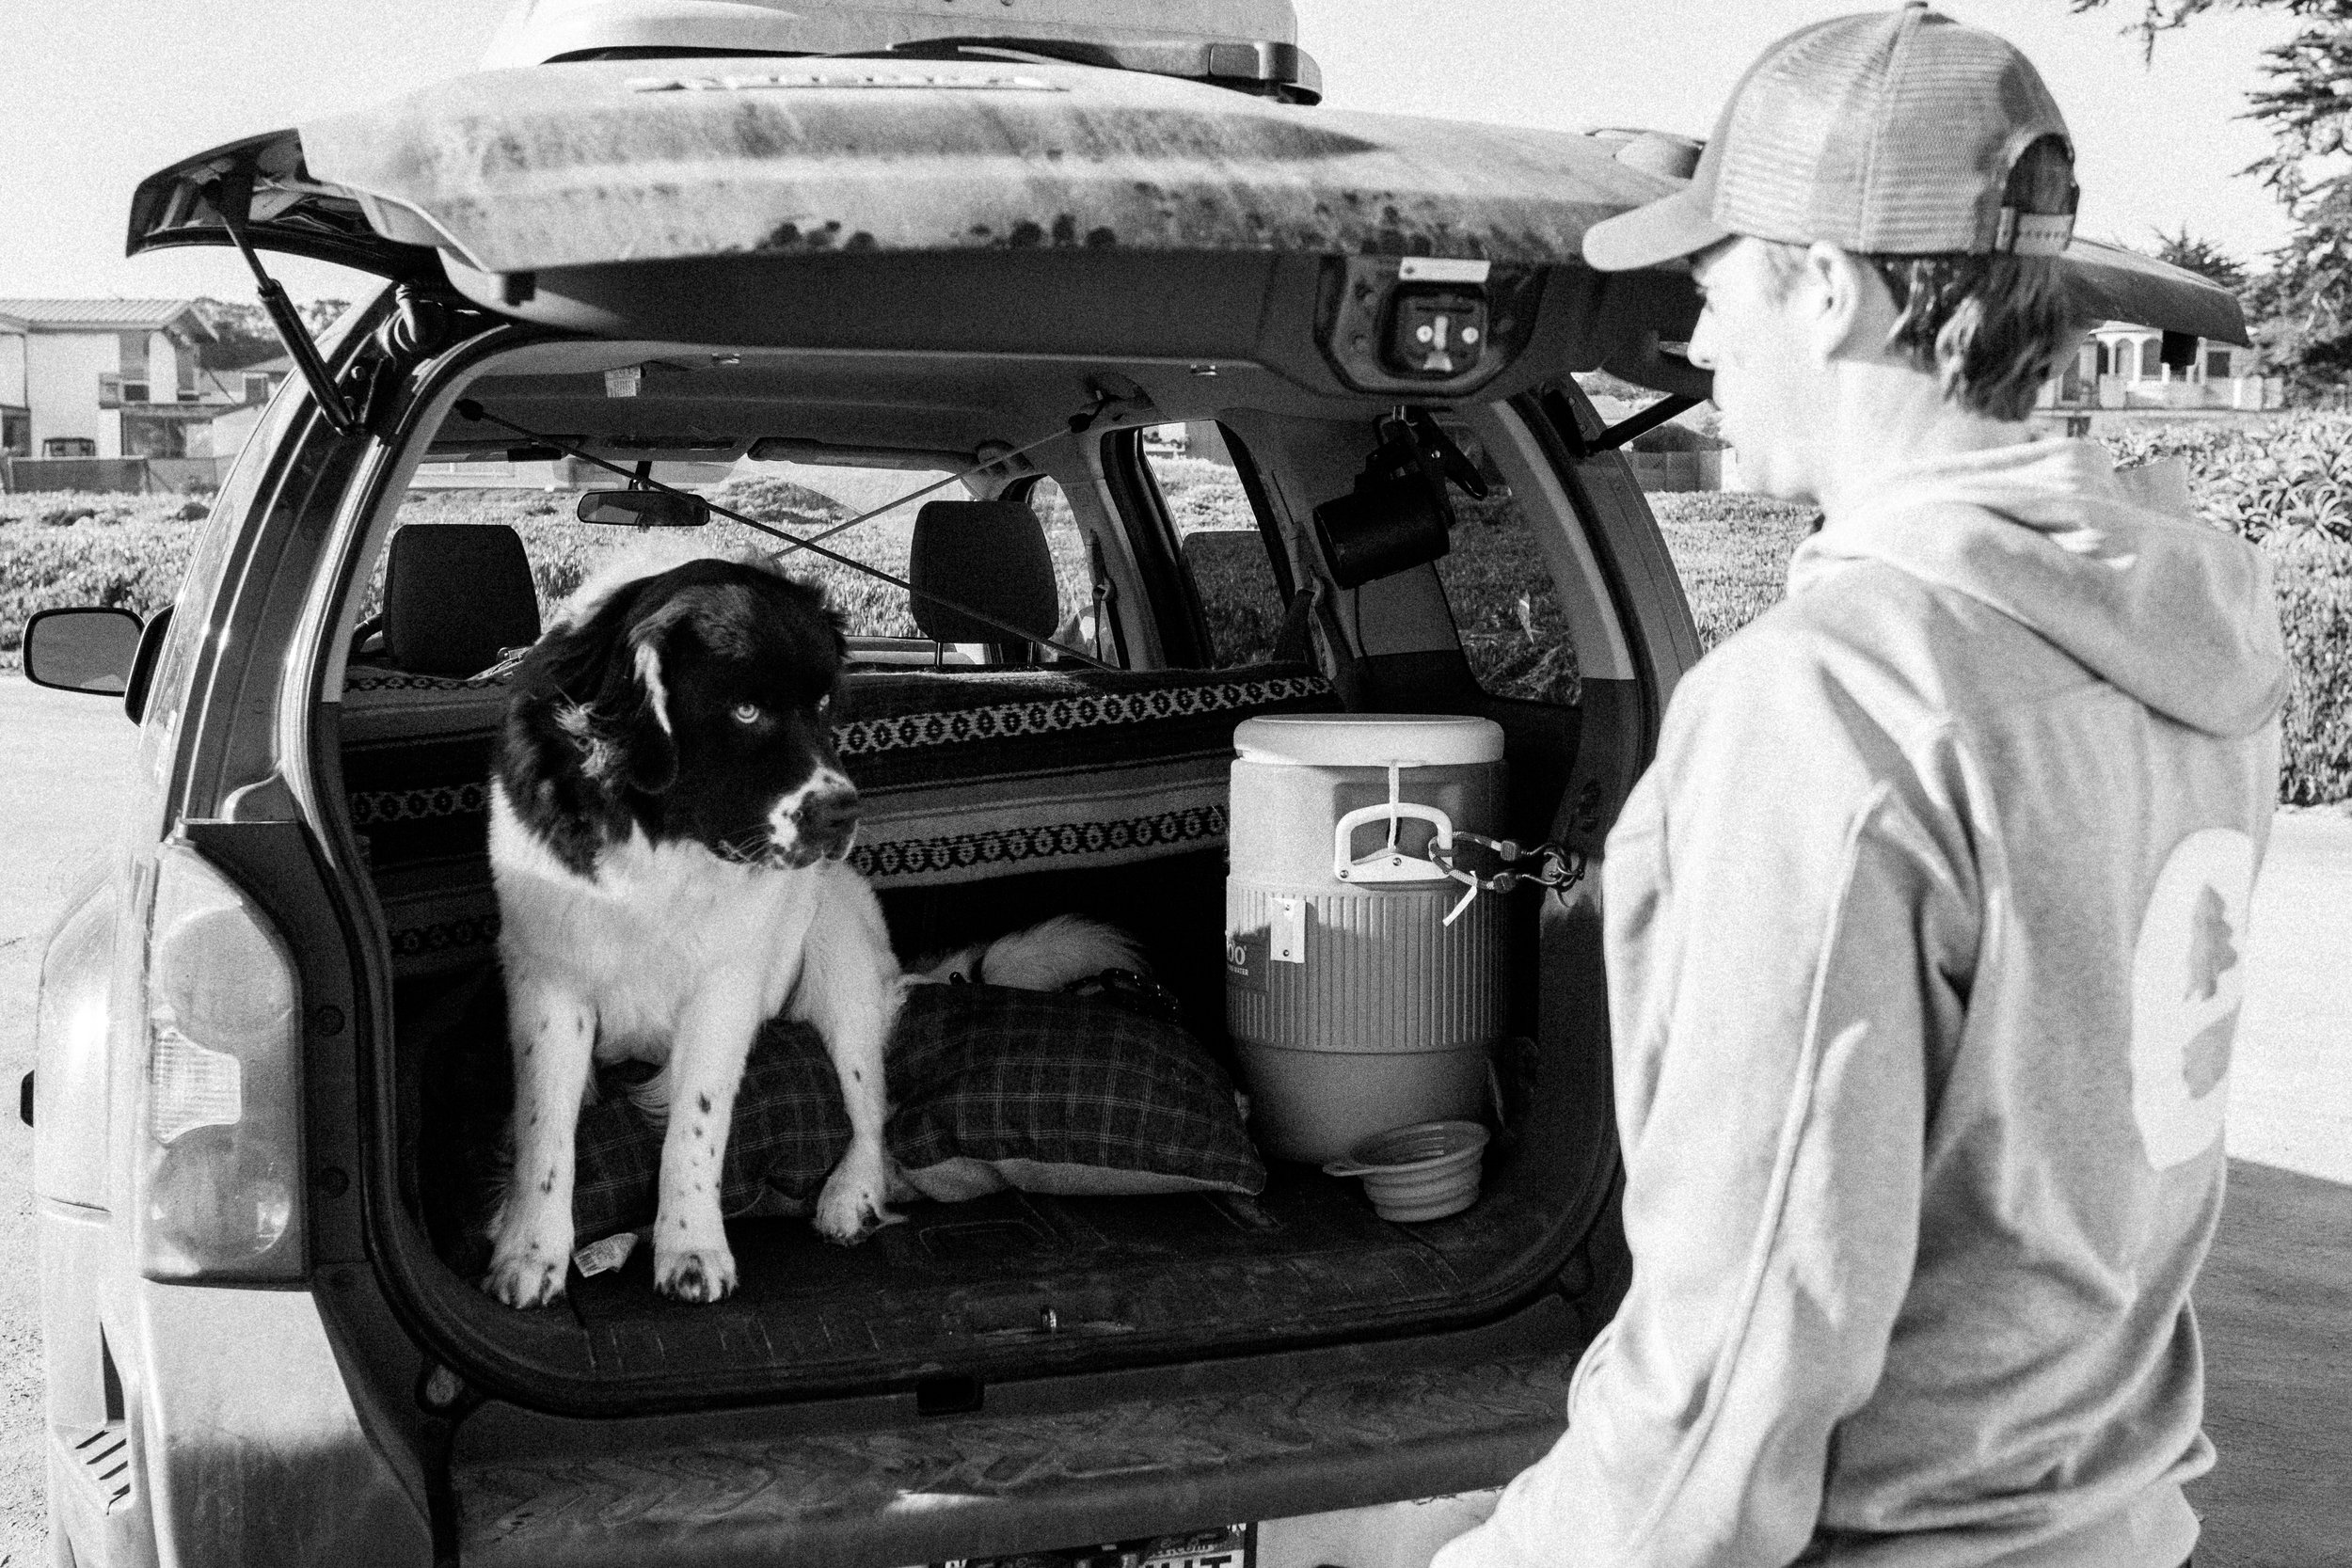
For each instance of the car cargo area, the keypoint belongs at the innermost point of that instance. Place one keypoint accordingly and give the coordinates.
(1123, 815)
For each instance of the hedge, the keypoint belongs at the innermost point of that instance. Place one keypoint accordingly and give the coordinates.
(2286, 484)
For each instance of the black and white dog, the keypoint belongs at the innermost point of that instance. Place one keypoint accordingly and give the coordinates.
(669, 835)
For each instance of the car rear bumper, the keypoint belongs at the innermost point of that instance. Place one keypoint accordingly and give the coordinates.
(860, 1486)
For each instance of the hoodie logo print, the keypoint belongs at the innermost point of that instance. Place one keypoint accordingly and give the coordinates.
(2211, 955)
(2188, 984)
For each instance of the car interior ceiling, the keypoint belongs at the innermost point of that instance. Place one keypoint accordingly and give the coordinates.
(1306, 1253)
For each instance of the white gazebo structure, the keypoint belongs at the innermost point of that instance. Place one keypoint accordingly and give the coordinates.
(2121, 365)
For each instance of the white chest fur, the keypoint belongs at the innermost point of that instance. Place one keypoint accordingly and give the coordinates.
(654, 926)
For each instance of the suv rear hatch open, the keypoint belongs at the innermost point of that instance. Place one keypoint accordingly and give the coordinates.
(982, 207)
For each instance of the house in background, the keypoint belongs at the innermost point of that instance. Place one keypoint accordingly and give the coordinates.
(103, 377)
(118, 394)
(16, 409)
(236, 398)
(2121, 365)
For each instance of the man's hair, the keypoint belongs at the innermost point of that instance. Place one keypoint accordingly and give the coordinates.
(1990, 327)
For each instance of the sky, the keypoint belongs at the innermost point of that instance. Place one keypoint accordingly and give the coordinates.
(96, 94)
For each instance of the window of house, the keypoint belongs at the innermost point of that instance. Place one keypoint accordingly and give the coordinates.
(69, 446)
(1217, 529)
(16, 434)
(2104, 369)
(2151, 359)
(1505, 606)
(147, 437)
(2217, 364)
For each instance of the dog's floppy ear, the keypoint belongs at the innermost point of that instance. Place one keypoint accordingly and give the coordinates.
(639, 705)
(596, 670)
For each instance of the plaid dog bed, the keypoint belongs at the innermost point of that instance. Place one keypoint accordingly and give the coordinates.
(991, 1088)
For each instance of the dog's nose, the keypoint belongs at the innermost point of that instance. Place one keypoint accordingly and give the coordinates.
(828, 815)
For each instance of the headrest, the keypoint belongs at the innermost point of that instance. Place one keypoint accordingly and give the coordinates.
(455, 596)
(990, 555)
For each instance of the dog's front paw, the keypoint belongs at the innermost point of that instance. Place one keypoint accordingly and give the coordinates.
(854, 1202)
(531, 1252)
(525, 1271)
(701, 1275)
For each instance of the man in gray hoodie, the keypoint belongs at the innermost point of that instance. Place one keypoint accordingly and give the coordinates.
(1926, 927)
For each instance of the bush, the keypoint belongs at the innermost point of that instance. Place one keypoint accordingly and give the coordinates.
(2288, 475)
(133, 563)
(1675, 436)
(2314, 583)
(781, 501)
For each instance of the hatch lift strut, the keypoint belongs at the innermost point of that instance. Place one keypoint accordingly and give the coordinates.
(1638, 425)
(232, 196)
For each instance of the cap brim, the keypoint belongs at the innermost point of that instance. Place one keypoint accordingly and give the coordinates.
(1664, 230)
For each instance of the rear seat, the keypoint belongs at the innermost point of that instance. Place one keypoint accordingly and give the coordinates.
(992, 797)
(417, 726)
(968, 778)
(416, 755)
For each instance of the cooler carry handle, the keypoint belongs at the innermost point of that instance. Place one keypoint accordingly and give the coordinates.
(1388, 864)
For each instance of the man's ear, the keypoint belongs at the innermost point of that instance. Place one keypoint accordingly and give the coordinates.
(1851, 314)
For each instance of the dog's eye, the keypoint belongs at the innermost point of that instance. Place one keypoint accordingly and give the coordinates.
(747, 713)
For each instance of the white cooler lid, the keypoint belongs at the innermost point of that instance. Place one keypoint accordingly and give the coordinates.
(1367, 739)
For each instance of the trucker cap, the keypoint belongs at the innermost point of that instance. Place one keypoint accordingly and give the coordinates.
(1890, 132)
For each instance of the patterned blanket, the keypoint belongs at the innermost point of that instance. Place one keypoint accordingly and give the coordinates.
(965, 776)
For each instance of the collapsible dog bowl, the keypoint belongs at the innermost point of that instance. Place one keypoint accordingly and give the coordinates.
(1423, 1172)
(1354, 1004)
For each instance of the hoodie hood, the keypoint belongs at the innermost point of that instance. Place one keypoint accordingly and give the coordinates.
(2109, 567)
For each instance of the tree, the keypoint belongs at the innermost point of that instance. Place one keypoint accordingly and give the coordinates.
(242, 333)
(2302, 307)
(2203, 256)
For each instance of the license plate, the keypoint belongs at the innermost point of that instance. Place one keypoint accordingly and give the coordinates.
(1223, 1547)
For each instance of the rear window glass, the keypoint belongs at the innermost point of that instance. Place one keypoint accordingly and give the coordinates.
(804, 500)
(1217, 531)
(1499, 586)
(1073, 571)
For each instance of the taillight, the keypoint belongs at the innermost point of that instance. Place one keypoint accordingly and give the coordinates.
(217, 1182)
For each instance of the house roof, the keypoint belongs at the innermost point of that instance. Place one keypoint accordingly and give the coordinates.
(103, 315)
(2103, 327)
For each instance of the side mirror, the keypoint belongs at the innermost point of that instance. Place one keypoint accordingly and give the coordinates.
(644, 508)
(82, 650)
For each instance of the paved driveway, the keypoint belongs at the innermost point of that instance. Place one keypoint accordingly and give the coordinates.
(2276, 1300)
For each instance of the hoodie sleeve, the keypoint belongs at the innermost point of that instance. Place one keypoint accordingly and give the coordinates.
(1781, 936)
